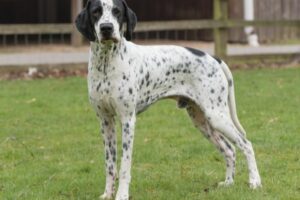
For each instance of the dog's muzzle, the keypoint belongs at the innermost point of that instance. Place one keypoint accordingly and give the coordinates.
(107, 30)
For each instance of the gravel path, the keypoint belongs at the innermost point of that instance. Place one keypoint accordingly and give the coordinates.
(43, 56)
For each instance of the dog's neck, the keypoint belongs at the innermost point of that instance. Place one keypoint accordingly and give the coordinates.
(104, 53)
(107, 50)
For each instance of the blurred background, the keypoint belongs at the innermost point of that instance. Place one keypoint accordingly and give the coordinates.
(37, 35)
(60, 12)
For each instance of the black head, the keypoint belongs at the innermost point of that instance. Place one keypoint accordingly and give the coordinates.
(102, 20)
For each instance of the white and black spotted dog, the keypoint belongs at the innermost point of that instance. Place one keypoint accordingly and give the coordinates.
(124, 79)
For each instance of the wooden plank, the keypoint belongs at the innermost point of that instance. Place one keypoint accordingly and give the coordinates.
(147, 26)
(210, 24)
(177, 25)
(293, 15)
(76, 38)
(35, 29)
(263, 14)
(264, 57)
(270, 14)
(261, 23)
(258, 15)
(277, 16)
(221, 34)
(285, 15)
(236, 12)
(298, 17)
(51, 11)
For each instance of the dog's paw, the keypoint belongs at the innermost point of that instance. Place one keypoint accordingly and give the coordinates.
(255, 184)
(105, 197)
(225, 183)
(122, 197)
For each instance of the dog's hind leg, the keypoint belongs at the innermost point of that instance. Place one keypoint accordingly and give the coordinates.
(221, 143)
(221, 121)
(110, 144)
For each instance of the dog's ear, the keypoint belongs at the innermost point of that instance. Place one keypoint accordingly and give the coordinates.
(130, 19)
(84, 24)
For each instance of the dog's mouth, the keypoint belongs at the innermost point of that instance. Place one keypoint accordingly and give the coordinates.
(105, 40)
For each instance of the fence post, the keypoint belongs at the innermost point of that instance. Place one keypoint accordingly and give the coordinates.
(76, 7)
(221, 34)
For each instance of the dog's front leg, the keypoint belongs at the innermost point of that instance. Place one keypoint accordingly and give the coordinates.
(110, 147)
(128, 124)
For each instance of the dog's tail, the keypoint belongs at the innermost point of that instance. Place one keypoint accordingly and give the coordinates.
(231, 98)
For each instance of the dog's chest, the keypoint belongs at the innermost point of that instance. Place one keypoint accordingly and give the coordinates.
(110, 84)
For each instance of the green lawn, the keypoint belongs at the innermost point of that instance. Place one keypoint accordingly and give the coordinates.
(50, 146)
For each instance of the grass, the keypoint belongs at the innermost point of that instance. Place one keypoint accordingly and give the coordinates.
(50, 147)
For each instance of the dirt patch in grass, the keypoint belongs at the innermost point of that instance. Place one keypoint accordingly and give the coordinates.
(41, 48)
(50, 73)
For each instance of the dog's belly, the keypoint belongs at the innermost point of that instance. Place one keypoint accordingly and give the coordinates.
(171, 71)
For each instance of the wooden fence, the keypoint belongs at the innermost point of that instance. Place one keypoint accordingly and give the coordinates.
(268, 10)
(220, 24)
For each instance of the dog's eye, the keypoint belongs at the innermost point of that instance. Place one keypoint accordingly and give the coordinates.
(97, 12)
(116, 11)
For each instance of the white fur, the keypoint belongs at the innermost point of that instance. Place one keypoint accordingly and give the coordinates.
(124, 79)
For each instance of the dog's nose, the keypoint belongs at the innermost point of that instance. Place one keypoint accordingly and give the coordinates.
(106, 28)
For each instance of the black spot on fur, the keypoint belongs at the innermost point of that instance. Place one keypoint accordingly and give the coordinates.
(110, 173)
(147, 76)
(182, 103)
(219, 99)
(188, 64)
(142, 83)
(195, 51)
(98, 87)
(106, 123)
(154, 86)
(222, 89)
(147, 99)
(148, 83)
(217, 59)
(228, 145)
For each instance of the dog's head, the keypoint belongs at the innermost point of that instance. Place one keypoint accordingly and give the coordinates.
(102, 21)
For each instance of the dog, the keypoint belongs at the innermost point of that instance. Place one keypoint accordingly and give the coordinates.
(124, 79)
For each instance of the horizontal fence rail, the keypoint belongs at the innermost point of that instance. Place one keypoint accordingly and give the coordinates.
(220, 26)
(18, 29)
(209, 24)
